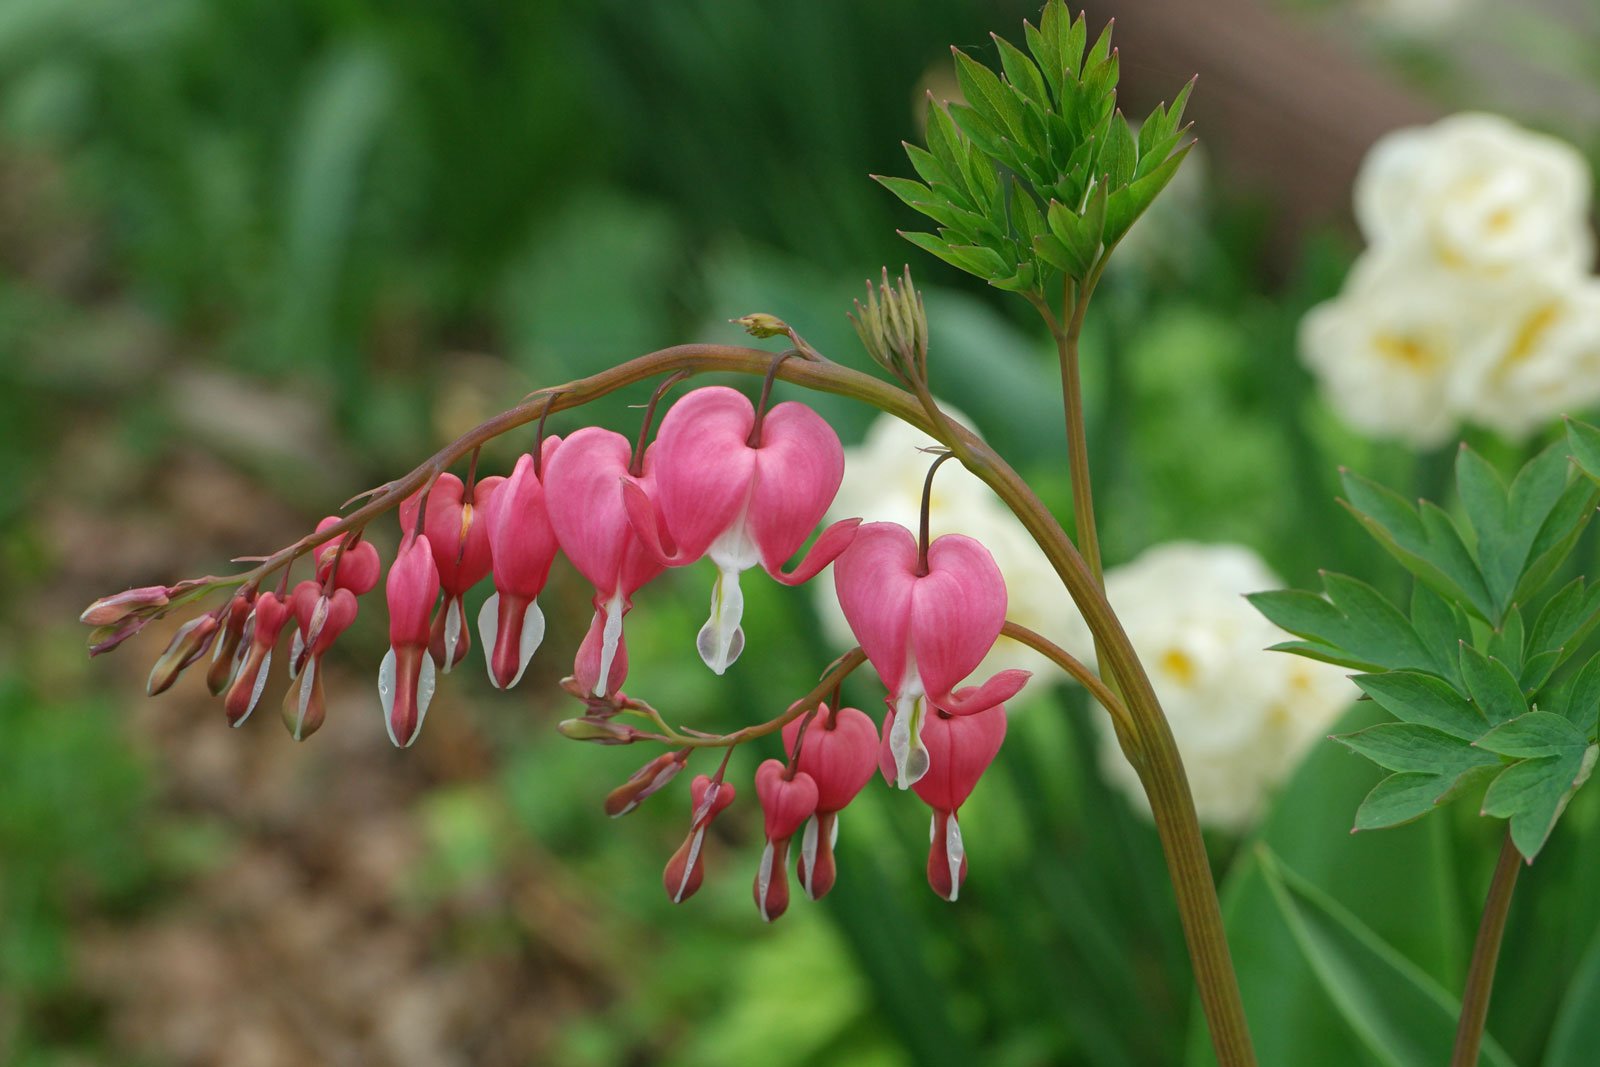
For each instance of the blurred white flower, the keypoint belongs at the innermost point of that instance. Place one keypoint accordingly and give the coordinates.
(1242, 716)
(1477, 192)
(883, 479)
(1413, 16)
(1386, 349)
(1473, 300)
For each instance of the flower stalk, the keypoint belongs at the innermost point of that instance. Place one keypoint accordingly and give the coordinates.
(1485, 954)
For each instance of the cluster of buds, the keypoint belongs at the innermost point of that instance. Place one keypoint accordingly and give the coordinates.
(739, 484)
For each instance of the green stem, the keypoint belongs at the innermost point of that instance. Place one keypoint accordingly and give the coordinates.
(1485, 954)
(1149, 743)
(1077, 439)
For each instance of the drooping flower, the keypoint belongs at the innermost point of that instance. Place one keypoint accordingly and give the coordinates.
(685, 870)
(321, 618)
(460, 542)
(407, 676)
(226, 654)
(266, 623)
(883, 478)
(960, 749)
(645, 782)
(584, 497)
(522, 545)
(192, 641)
(744, 489)
(1242, 717)
(359, 565)
(925, 624)
(788, 798)
(839, 750)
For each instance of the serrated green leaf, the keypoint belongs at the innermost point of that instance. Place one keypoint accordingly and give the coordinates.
(1400, 1014)
(1407, 746)
(1053, 252)
(989, 96)
(1532, 795)
(1409, 795)
(1484, 499)
(932, 171)
(1424, 699)
(1538, 669)
(1567, 618)
(1506, 642)
(1026, 218)
(1079, 232)
(1441, 628)
(1120, 153)
(1583, 444)
(1553, 542)
(1046, 51)
(1425, 543)
(973, 259)
(1129, 202)
(1100, 53)
(1492, 686)
(1021, 72)
(1538, 733)
(1355, 626)
(1448, 554)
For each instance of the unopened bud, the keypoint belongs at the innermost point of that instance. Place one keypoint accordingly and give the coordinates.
(761, 324)
(893, 327)
(647, 780)
(106, 638)
(224, 658)
(188, 644)
(110, 610)
(599, 731)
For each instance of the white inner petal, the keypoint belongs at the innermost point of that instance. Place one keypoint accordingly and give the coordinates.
(905, 738)
(303, 698)
(764, 881)
(721, 640)
(489, 633)
(955, 852)
(808, 855)
(425, 687)
(610, 636)
(452, 632)
(532, 636)
(688, 868)
(261, 683)
(296, 647)
(386, 672)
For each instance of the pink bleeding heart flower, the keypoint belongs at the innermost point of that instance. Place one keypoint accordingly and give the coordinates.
(267, 620)
(685, 871)
(839, 750)
(321, 618)
(225, 654)
(744, 494)
(406, 678)
(645, 782)
(110, 610)
(359, 565)
(460, 540)
(788, 798)
(924, 632)
(522, 545)
(589, 517)
(960, 749)
(193, 640)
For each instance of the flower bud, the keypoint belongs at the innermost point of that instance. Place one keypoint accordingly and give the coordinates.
(788, 799)
(321, 620)
(893, 327)
(600, 731)
(645, 781)
(224, 655)
(359, 566)
(110, 610)
(106, 638)
(685, 871)
(839, 750)
(188, 644)
(267, 620)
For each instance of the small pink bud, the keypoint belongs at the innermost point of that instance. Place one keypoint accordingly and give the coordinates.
(267, 620)
(106, 638)
(321, 620)
(406, 676)
(522, 545)
(839, 750)
(685, 870)
(224, 656)
(645, 782)
(459, 540)
(191, 642)
(960, 749)
(110, 610)
(359, 566)
(787, 801)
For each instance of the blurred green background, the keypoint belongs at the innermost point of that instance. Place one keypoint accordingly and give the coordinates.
(257, 255)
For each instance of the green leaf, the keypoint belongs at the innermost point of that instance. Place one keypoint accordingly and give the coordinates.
(1553, 542)
(1567, 618)
(989, 96)
(1537, 671)
(1409, 795)
(1425, 543)
(1441, 627)
(1400, 1014)
(1126, 204)
(1021, 72)
(1354, 626)
(1578, 698)
(973, 259)
(1492, 686)
(1506, 642)
(1583, 443)
(1533, 793)
(1079, 232)
(1538, 733)
(1120, 153)
(1424, 699)
(1406, 746)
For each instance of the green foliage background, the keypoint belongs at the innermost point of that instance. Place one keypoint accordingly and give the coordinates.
(255, 256)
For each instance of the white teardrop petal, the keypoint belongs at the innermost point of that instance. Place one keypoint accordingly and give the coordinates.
(956, 852)
(764, 881)
(808, 855)
(721, 640)
(303, 698)
(255, 693)
(489, 633)
(905, 740)
(452, 632)
(386, 682)
(296, 647)
(610, 637)
(425, 688)
(532, 636)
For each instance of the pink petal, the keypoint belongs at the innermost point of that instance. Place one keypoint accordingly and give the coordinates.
(412, 588)
(798, 470)
(960, 749)
(588, 514)
(832, 544)
(786, 802)
(957, 610)
(840, 755)
(522, 542)
(703, 467)
(874, 581)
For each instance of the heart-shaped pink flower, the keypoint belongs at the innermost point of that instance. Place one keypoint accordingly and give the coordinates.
(359, 565)
(406, 676)
(460, 540)
(787, 801)
(924, 632)
(685, 870)
(839, 750)
(743, 495)
(522, 545)
(321, 618)
(267, 619)
(583, 494)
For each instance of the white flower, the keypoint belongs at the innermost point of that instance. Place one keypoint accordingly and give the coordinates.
(1413, 16)
(1242, 716)
(1476, 192)
(883, 478)
(1387, 348)
(1537, 356)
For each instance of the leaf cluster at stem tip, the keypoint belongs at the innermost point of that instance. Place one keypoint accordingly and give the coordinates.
(1484, 688)
(1037, 176)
